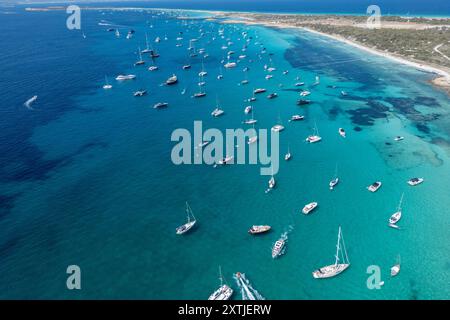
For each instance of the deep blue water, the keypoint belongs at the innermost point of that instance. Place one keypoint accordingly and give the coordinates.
(86, 176)
(398, 7)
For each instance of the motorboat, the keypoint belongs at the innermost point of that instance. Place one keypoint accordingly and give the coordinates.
(140, 93)
(259, 229)
(277, 128)
(160, 105)
(172, 80)
(259, 90)
(122, 77)
(272, 95)
(296, 117)
(415, 181)
(309, 207)
(342, 132)
(277, 249)
(374, 186)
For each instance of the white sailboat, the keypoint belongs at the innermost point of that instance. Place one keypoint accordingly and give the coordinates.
(147, 47)
(397, 215)
(224, 292)
(341, 263)
(395, 269)
(107, 86)
(288, 155)
(140, 61)
(189, 224)
(335, 180)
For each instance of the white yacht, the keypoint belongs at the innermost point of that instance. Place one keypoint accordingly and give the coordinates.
(415, 181)
(140, 61)
(160, 105)
(277, 249)
(305, 93)
(140, 93)
(153, 68)
(272, 95)
(122, 77)
(224, 292)
(172, 80)
(374, 186)
(189, 224)
(277, 128)
(397, 215)
(399, 138)
(341, 263)
(147, 48)
(259, 90)
(309, 207)
(259, 229)
(296, 117)
(335, 180)
(230, 65)
(248, 109)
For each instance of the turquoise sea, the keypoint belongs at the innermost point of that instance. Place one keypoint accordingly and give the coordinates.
(86, 176)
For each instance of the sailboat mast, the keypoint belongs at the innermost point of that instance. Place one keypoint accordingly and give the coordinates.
(220, 276)
(400, 204)
(338, 246)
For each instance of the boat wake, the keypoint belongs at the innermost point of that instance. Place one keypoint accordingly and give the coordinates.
(29, 102)
(247, 291)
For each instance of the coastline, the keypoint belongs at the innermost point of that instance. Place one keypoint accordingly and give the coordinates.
(442, 79)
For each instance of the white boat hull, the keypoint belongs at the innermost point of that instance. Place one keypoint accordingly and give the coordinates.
(330, 271)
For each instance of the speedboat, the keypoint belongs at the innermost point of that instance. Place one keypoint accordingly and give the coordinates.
(107, 86)
(309, 207)
(272, 182)
(202, 73)
(269, 76)
(415, 181)
(248, 109)
(160, 105)
(297, 117)
(333, 183)
(272, 95)
(172, 80)
(140, 93)
(217, 112)
(342, 132)
(225, 160)
(277, 128)
(374, 186)
(259, 90)
(250, 121)
(186, 66)
(313, 138)
(152, 68)
(259, 229)
(277, 249)
(305, 93)
(122, 77)
(399, 138)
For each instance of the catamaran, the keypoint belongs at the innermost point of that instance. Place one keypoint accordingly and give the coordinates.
(315, 136)
(224, 292)
(189, 224)
(396, 268)
(337, 267)
(397, 215)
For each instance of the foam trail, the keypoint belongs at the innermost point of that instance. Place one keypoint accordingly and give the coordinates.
(29, 102)
(247, 291)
